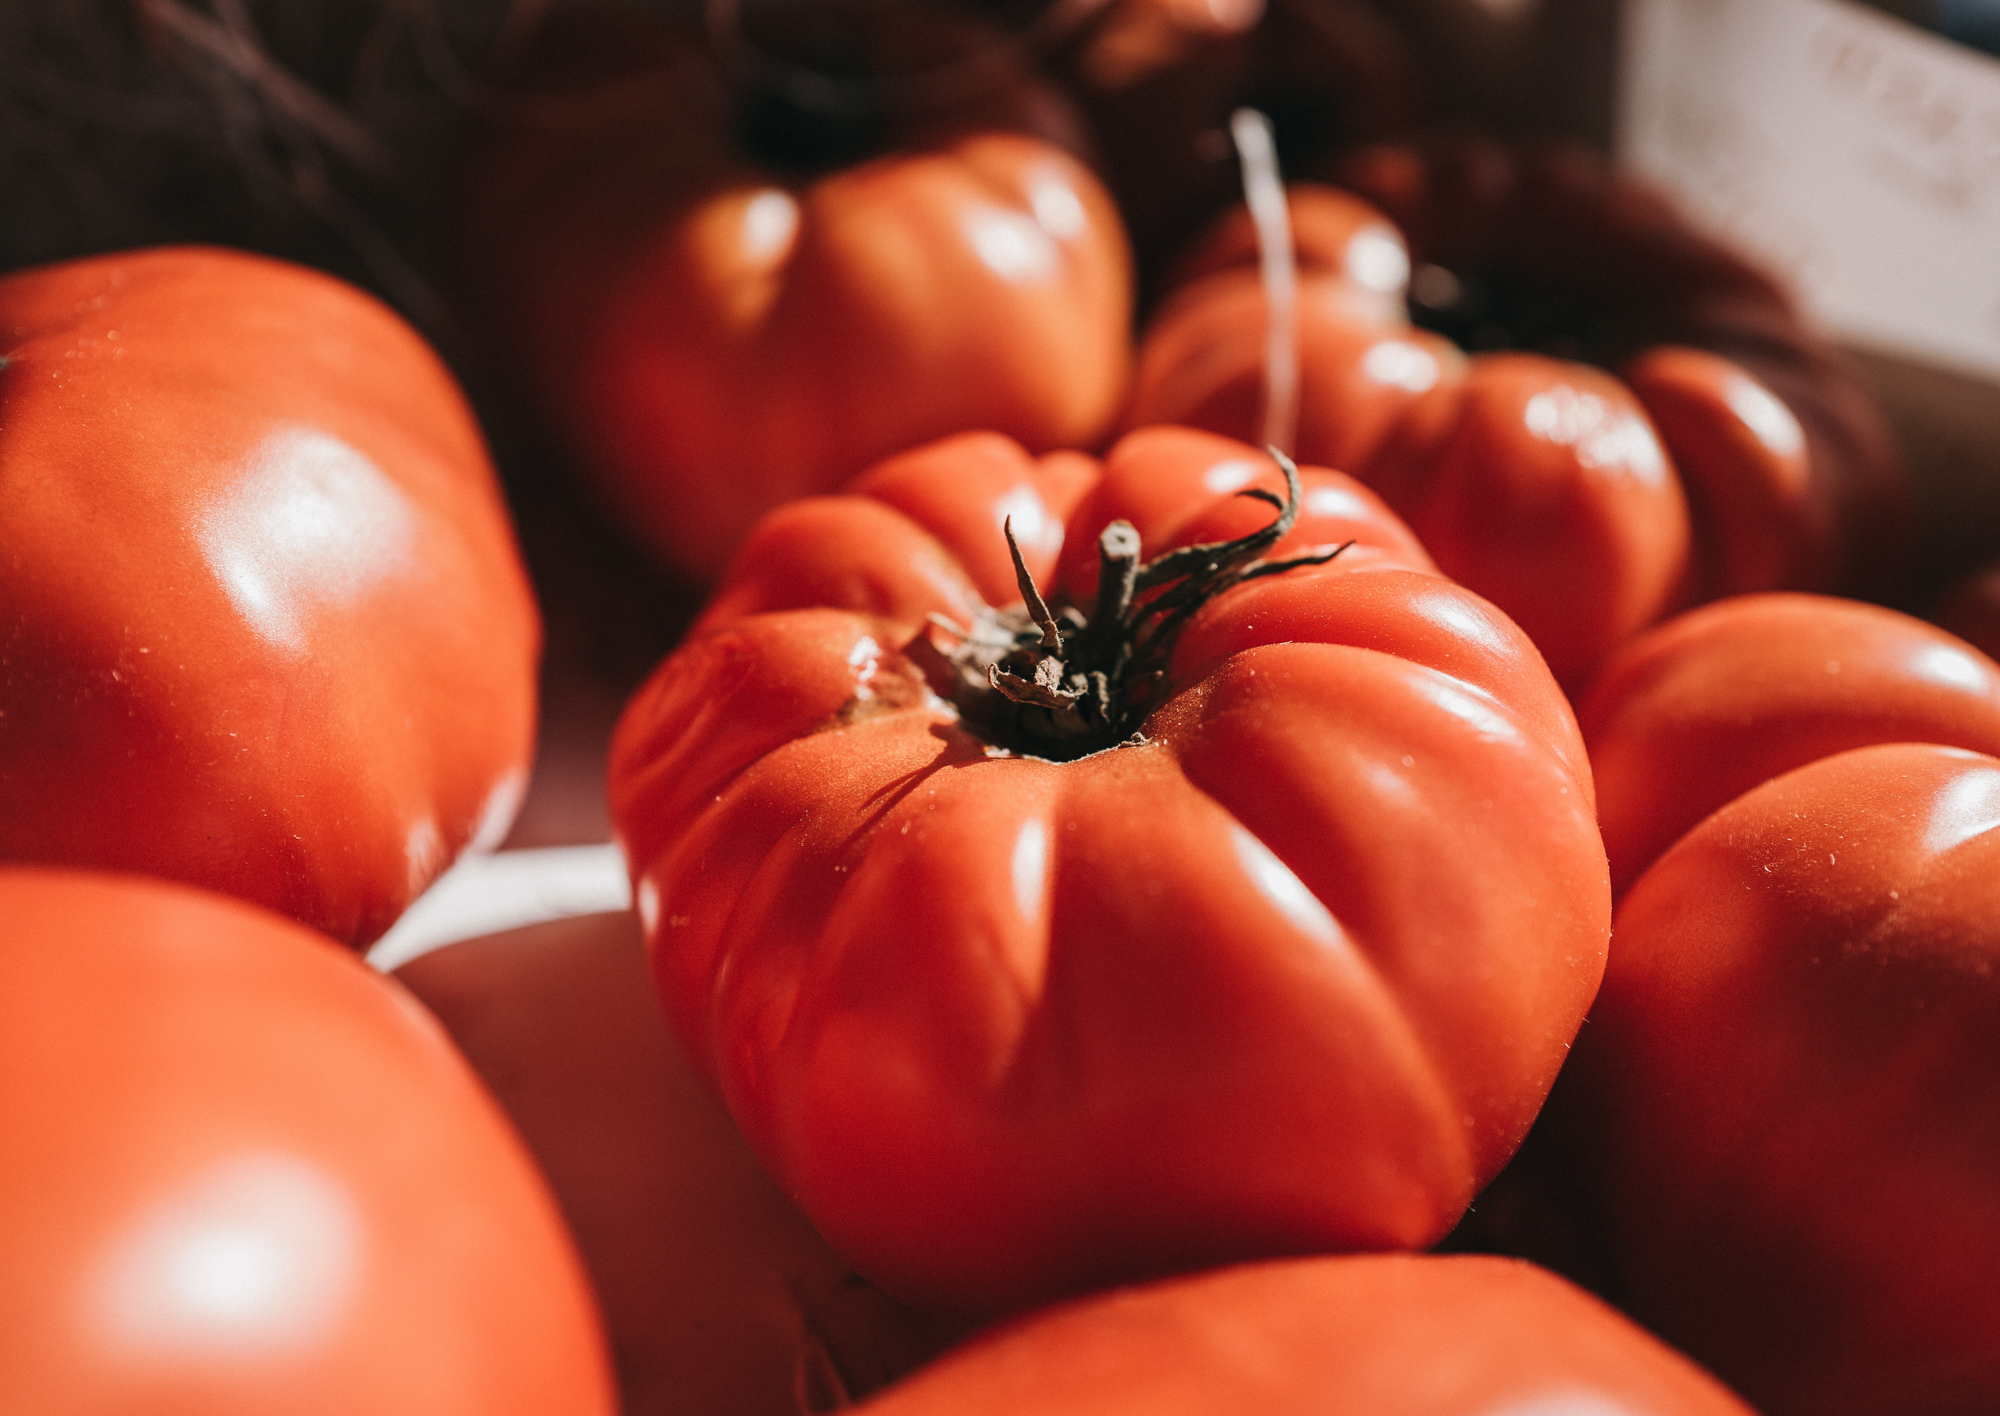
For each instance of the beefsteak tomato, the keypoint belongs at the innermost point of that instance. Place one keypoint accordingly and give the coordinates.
(263, 624)
(1786, 1092)
(246, 1174)
(720, 309)
(1387, 1334)
(1626, 418)
(1271, 941)
(1697, 711)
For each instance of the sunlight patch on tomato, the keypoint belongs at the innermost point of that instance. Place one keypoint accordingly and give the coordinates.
(1604, 438)
(260, 1254)
(1276, 882)
(1035, 528)
(1031, 868)
(1968, 806)
(1950, 667)
(1056, 205)
(770, 226)
(1377, 260)
(1474, 710)
(1397, 363)
(1764, 415)
(311, 520)
(1228, 476)
(1451, 611)
(1012, 246)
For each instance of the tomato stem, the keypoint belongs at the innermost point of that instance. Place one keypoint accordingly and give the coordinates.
(1062, 685)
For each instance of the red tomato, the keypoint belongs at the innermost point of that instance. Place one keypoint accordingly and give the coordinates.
(1789, 1086)
(1540, 483)
(1699, 710)
(1388, 1335)
(717, 324)
(263, 626)
(1537, 482)
(1293, 971)
(246, 1174)
(1361, 362)
(717, 1294)
(1763, 418)
(1719, 448)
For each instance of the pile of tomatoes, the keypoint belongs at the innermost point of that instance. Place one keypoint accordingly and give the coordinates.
(1306, 801)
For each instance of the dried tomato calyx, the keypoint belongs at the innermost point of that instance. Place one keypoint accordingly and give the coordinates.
(1061, 685)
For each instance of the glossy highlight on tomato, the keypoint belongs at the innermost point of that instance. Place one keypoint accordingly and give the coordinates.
(1292, 971)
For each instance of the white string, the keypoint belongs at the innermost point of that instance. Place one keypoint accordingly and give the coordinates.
(1270, 214)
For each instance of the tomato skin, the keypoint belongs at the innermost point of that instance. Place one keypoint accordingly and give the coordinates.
(1718, 447)
(1010, 1028)
(1788, 1080)
(1541, 484)
(246, 1174)
(1695, 712)
(1361, 363)
(265, 627)
(713, 335)
(1391, 1335)
(1564, 221)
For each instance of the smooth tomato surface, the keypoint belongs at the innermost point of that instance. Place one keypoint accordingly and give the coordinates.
(1293, 972)
(715, 327)
(263, 625)
(246, 1174)
(1699, 710)
(1789, 1082)
(1389, 1335)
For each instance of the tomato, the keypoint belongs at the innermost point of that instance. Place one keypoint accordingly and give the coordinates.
(1695, 712)
(1789, 1082)
(718, 316)
(1772, 423)
(1389, 1335)
(263, 625)
(1639, 418)
(1014, 1012)
(717, 1294)
(246, 1174)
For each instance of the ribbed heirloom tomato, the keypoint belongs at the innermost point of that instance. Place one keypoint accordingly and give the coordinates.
(1264, 938)
(1695, 712)
(1627, 417)
(723, 296)
(263, 624)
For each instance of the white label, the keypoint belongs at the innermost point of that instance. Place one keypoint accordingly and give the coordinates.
(1855, 154)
